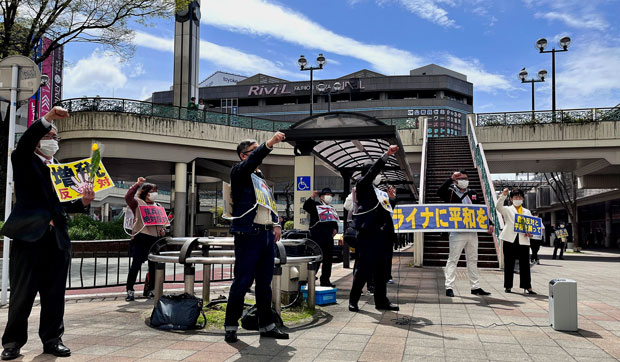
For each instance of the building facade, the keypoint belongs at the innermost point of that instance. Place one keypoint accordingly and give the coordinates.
(442, 95)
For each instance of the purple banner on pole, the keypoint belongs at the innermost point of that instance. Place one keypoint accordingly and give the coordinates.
(56, 78)
(46, 92)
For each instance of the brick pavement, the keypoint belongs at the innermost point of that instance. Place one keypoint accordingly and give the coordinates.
(430, 326)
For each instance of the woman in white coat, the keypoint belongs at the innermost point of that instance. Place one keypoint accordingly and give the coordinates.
(516, 245)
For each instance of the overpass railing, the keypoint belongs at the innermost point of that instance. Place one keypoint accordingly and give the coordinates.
(586, 115)
(487, 185)
(99, 104)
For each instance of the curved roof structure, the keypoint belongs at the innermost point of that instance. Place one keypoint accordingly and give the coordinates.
(346, 140)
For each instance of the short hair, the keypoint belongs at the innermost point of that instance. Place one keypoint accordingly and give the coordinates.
(192, 98)
(146, 188)
(464, 172)
(516, 192)
(244, 145)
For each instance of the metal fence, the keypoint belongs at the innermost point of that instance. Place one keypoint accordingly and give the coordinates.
(542, 117)
(105, 263)
(97, 104)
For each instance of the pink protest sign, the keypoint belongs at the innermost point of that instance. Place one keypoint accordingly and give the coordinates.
(153, 215)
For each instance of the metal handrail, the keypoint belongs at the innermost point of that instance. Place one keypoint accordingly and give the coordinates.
(419, 237)
(577, 115)
(486, 183)
(131, 106)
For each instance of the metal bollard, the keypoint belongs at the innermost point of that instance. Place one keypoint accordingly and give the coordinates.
(160, 273)
(206, 276)
(189, 275)
(206, 282)
(311, 285)
(276, 288)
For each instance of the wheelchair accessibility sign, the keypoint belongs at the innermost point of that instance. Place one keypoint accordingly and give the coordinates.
(303, 183)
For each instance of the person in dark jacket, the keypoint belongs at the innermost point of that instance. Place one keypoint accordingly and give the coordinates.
(256, 230)
(456, 191)
(323, 228)
(375, 237)
(41, 250)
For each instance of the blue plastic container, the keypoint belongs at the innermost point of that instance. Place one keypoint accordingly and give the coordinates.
(323, 295)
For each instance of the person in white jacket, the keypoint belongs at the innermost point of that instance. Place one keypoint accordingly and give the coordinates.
(515, 245)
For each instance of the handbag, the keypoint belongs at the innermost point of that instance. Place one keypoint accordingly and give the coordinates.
(178, 312)
(350, 236)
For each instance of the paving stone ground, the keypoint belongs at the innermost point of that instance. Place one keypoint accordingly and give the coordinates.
(430, 327)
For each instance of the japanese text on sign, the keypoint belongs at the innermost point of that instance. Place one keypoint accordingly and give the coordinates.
(440, 217)
(327, 213)
(528, 224)
(69, 179)
(561, 233)
(153, 215)
(264, 196)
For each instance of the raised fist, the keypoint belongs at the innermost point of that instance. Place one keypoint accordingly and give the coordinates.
(392, 150)
(277, 138)
(141, 180)
(56, 113)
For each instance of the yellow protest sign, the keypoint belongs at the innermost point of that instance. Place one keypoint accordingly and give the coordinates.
(69, 179)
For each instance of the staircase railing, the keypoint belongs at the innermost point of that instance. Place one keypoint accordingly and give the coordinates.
(418, 255)
(488, 188)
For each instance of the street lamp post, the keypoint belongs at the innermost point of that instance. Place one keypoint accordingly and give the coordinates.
(542, 74)
(323, 88)
(303, 65)
(540, 45)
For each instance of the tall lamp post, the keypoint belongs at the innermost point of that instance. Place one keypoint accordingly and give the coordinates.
(323, 88)
(541, 78)
(303, 65)
(540, 45)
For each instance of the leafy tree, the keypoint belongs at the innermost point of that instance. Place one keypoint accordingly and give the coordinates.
(104, 22)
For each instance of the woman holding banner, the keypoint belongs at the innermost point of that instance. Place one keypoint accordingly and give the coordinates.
(516, 245)
(148, 227)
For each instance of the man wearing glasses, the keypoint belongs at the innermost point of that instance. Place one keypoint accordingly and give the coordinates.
(256, 230)
(41, 250)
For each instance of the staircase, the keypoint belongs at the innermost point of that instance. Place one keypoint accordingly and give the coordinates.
(444, 156)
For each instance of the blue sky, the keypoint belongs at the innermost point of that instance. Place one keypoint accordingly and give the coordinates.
(489, 41)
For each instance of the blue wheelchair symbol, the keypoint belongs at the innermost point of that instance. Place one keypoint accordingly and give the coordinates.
(303, 183)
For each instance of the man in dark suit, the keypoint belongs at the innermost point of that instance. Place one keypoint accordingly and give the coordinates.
(323, 229)
(256, 230)
(456, 191)
(375, 237)
(41, 250)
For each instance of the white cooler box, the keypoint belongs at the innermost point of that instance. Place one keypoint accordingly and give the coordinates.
(563, 304)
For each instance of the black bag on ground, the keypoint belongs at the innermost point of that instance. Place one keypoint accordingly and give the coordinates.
(249, 319)
(350, 234)
(177, 312)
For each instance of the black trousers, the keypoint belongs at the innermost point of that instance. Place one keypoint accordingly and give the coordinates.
(514, 251)
(558, 244)
(325, 241)
(254, 253)
(372, 249)
(535, 246)
(140, 247)
(36, 267)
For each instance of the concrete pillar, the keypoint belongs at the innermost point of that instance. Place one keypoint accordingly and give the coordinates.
(105, 213)
(554, 219)
(180, 189)
(304, 183)
(186, 54)
(607, 224)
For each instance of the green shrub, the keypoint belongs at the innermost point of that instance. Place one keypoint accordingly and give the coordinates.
(289, 225)
(83, 227)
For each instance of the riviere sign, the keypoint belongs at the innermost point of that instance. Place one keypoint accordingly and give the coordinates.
(281, 89)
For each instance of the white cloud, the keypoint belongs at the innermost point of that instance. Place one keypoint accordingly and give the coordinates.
(99, 72)
(476, 74)
(429, 10)
(259, 17)
(587, 76)
(225, 57)
(583, 22)
(137, 70)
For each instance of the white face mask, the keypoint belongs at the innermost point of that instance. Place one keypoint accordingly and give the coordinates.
(153, 196)
(377, 180)
(328, 199)
(517, 203)
(48, 147)
(462, 184)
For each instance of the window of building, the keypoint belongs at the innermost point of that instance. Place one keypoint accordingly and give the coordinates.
(229, 105)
